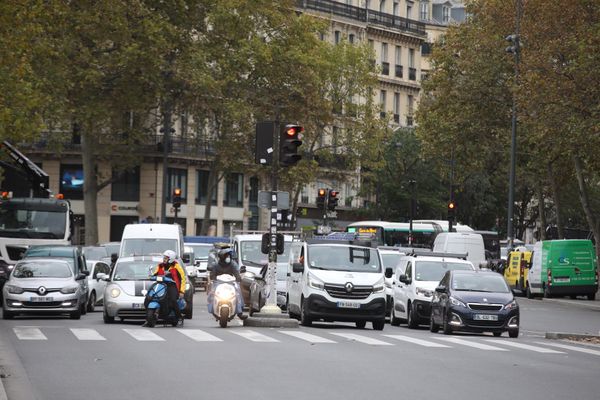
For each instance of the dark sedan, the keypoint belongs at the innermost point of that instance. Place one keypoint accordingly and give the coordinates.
(474, 301)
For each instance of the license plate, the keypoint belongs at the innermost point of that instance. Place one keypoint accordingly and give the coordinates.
(41, 299)
(562, 280)
(485, 317)
(348, 304)
(136, 305)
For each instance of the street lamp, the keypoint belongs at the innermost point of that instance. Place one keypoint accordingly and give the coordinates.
(515, 49)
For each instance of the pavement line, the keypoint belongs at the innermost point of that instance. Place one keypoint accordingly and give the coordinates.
(524, 346)
(308, 337)
(87, 334)
(254, 336)
(199, 335)
(574, 348)
(362, 339)
(29, 334)
(480, 346)
(144, 335)
(420, 342)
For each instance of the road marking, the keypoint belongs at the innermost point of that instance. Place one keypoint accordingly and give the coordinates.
(29, 334)
(199, 335)
(574, 348)
(362, 339)
(480, 346)
(87, 334)
(308, 337)
(144, 335)
(254, 336)
(420, 342)
(524, 346)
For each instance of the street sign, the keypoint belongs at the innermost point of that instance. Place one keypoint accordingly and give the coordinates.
(265, 201)
(323, 229)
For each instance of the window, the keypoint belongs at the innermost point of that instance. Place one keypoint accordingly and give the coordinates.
(202, 188)
(408, 11)
(351, 38)
(234, 190)
(396, 107)
(177, 178)
(338, 36)
(446, 14)
(382, 6)
(382, 98)
(424, 11)
(411, 58)
(71, 181)
(321, 36)
(411, 100)
(384, 52)
(396, 8)
(126, 187)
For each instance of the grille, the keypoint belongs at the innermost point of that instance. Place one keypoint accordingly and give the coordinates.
(15, 252)
(485, 307)
(141, 313)
(41, 305)
(357, 293)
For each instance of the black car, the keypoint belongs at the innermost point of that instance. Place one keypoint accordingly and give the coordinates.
(474, 301)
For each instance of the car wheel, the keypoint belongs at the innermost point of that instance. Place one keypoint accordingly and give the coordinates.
(394, 321)
(108, 319)
(76, 314)
(433, 327)
(410, 318)
(547, 293)
(513, 333)
(379, 324)
(446, 326)
(497, 334)
(529, 294)
(304, 319)
(91, 302)
(361, 324)
(7, 314)
(591, 296)
(188, 312)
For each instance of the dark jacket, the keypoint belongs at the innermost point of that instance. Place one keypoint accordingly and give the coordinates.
(222, 268)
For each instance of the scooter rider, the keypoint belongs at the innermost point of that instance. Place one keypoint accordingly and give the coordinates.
(226, 265)
(172, 267)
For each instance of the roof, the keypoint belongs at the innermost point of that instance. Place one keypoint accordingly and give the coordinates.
(151, 231)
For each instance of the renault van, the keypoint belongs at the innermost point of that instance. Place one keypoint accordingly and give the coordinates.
(563, 268)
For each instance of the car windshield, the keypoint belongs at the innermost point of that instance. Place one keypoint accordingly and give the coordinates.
(250, 251)
(38, 224)
(147, 247)
(45, 269)
(344, 258)
(435, 270)
(480, 283)
(95, 253)
(134, 270)
(200, 252)
(391, 260)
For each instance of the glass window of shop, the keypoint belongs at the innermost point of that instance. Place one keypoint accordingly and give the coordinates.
(126, 185)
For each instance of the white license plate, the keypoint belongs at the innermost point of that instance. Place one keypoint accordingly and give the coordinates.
(348, 304)
(41, 299)
(136, 305)
(485, 317)
(562, 280)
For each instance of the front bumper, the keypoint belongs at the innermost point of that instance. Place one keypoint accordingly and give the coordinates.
(53, 303)
(507, 320)
(125, 306)
(318, 307)
(421, 310)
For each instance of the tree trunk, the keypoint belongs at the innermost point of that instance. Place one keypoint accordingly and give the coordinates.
(585, 202)
(541, 210)
(557, 202)
(90, 188)
(213, 181)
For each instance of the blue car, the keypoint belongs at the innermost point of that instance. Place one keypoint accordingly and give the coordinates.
(474, 301)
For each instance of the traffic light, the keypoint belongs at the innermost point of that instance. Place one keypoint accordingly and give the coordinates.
(451, 210)
(333, 200)
(321, 199)
(289, 140)
(177, 198)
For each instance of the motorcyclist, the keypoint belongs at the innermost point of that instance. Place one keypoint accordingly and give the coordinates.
(171, 267)
(226, 265)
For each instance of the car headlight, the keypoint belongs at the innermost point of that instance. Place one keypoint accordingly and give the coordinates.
(379, 286)
(315, 282)
(456, 302)
(225, 292)
(511, 306)
(14, 289)
(69, 289)
(115, 292)
(424, 292)
(187, 286)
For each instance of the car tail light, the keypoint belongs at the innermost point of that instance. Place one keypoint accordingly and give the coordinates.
(549, 276)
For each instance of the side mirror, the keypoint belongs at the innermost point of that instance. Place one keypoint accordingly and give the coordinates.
(187, 258)
(404, 279)
(81, 276)
(298, 267)
(113, 257)
(440, 289)
(389, 272)
(86, 272)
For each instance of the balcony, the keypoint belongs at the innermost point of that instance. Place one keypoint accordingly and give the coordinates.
(412, 74)
(363, 15)
(399, 71)
(385, 68)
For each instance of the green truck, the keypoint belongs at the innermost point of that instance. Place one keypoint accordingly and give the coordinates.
(563, 268)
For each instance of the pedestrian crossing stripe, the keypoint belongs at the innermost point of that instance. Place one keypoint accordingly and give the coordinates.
(307, 337)
(254, 336)
(144, 335)
(29, 334)
(199, 335)
(574, 348)
(362, 339)
(524, 346)
(420, 342)
(87, 334)
(480, 346)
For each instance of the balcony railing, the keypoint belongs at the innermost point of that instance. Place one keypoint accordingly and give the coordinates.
(363, 15)
(412, 74)
(398, 71)
(385, 68)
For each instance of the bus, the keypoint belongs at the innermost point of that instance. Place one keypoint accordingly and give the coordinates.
(397, 233)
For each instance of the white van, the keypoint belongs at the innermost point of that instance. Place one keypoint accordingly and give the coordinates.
(151, 240)
(462, 242)
(336, 282)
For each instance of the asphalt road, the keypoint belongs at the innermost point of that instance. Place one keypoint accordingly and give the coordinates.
(55, 358)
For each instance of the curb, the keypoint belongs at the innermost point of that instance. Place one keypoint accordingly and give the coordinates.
(562, 335)
(267, 320)
(3, 395)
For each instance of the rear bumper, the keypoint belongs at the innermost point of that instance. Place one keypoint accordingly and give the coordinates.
(318, 307)
(571, 289)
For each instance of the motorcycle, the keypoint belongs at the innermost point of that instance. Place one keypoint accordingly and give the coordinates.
(156, 303)
(224, 299)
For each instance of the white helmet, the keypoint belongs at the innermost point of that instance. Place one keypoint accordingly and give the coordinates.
(171, 255)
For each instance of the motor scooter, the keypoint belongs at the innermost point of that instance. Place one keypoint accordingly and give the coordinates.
(224, 299)
(157, 306)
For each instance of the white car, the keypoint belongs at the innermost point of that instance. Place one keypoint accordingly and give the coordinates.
(95, 284)
(391, 257)
(416, 278)
(200, 262)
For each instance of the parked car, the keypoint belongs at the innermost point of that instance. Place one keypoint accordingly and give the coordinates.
(414, 283)
(474, 301)
(127, 287)
(45, 286)
(96, 285)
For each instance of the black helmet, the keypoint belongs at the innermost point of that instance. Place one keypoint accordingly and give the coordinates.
(225, 256)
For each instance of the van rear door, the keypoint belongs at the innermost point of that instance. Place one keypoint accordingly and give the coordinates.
(572, 263)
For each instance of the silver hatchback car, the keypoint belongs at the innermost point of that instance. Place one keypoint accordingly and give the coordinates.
(45, 286)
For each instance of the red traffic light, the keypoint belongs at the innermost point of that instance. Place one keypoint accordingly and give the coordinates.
(333, 193)
(293, 130)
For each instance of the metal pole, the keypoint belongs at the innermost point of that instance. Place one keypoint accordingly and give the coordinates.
(165, 141)
(451, 219)
(411, 183)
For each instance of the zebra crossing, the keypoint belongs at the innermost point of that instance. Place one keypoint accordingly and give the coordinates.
(28, 333)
